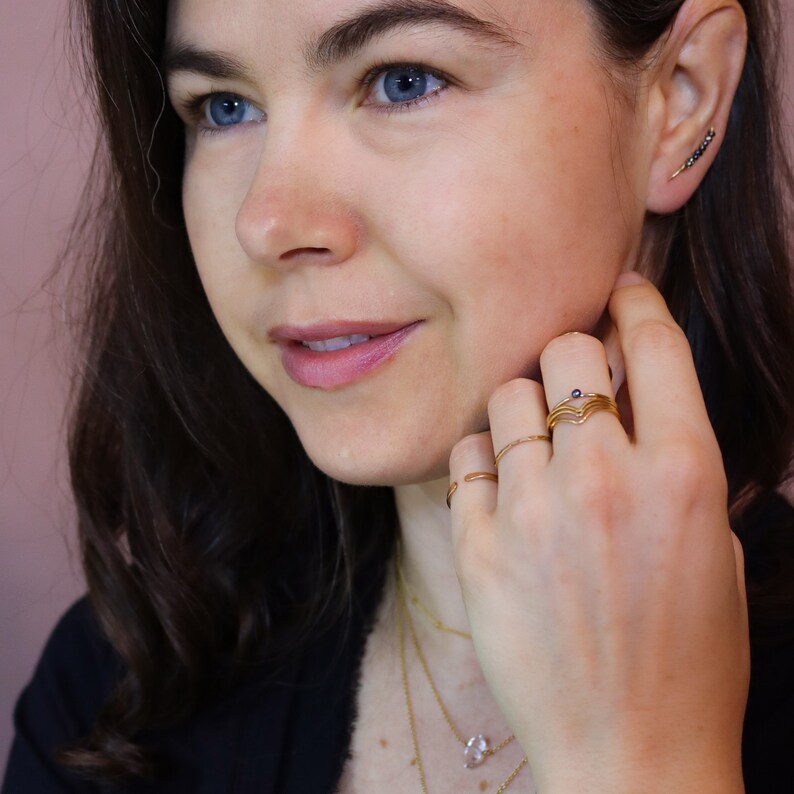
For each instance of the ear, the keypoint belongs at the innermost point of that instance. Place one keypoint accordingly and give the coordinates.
(697, 71)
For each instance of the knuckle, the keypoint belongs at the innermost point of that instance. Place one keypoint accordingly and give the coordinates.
(680, 462)
(519, 511)
(597, 491)
(475, 554)
(524, 507)
(467, 448)
(687, 470)
(507, 392)
(571, 345)
(656, 336)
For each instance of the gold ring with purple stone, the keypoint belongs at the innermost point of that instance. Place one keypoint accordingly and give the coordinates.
(565, 412)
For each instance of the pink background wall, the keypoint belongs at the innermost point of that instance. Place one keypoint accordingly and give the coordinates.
(40, 171)
(44, 151)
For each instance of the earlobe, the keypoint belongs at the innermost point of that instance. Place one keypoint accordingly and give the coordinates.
(692, 97)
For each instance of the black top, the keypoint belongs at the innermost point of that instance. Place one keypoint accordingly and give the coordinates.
(287, 731)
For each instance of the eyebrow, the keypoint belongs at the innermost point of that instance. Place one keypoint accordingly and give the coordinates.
(347, 38)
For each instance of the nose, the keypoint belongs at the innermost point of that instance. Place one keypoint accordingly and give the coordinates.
(294, 210)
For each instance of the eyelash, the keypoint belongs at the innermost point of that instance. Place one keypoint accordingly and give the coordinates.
(377, 69)
(195, 104)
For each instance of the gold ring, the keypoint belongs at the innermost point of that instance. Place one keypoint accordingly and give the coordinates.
(477, 475)
(515, 443)
(565, 413)
(481, 475)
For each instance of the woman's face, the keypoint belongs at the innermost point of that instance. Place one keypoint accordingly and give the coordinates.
(487, 191)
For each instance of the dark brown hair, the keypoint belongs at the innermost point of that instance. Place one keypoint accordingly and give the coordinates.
(208, 537)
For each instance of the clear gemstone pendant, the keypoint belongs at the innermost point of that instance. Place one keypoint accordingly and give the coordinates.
(476, 751)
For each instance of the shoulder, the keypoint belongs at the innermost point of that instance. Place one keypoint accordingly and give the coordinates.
(77, 634)
(768, 540)
(77, 668)
(768, 734)
(245, 734)
(767, 536)
(72, 679)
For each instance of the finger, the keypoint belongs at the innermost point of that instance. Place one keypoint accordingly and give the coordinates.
(617, 373)
(474, 494)
(666, 399)
(517, 415)
(611, 341)
(738, 551)
(574, 363)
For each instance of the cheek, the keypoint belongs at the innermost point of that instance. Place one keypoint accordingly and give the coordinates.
(211, 197)
(529, 228)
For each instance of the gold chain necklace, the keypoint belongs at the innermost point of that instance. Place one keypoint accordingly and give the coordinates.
(424, 610)
(476, 749)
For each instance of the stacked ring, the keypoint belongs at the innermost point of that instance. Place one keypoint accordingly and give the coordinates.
(562, 413)
(565, 413)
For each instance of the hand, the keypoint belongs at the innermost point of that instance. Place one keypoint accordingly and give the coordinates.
(603, 584)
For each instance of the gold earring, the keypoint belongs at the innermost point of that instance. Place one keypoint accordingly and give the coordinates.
(696, 156)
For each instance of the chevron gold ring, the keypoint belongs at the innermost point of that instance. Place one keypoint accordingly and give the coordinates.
(567, 413)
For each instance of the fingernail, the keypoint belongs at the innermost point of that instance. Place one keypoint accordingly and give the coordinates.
(628, 279)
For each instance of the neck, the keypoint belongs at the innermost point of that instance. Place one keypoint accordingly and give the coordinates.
(427, 561)
(428, 568)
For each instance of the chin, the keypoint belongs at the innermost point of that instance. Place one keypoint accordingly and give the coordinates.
(374, 467)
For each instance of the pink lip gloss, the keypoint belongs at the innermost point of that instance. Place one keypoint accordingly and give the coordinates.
(329, 370)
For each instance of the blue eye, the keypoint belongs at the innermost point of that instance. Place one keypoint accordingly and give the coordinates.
(395, 86)
(227, 110)
(400, 86)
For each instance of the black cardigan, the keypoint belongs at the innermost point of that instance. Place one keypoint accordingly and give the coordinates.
(287, 731)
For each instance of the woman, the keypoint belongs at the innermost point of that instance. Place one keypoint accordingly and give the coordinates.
(437, 386)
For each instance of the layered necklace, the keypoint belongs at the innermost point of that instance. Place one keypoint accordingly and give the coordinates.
(476, 749)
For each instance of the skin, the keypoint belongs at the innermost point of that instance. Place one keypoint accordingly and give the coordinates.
(501, 213)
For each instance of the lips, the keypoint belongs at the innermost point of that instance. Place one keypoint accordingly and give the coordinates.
(338, 368)
(317, 332)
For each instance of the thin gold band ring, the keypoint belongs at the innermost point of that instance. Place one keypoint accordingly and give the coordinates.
(524, 440)
(476, 475)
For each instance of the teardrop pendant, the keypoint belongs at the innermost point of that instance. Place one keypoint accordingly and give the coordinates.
(475, 752)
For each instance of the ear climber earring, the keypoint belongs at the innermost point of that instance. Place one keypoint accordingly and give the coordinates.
(696, 156)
